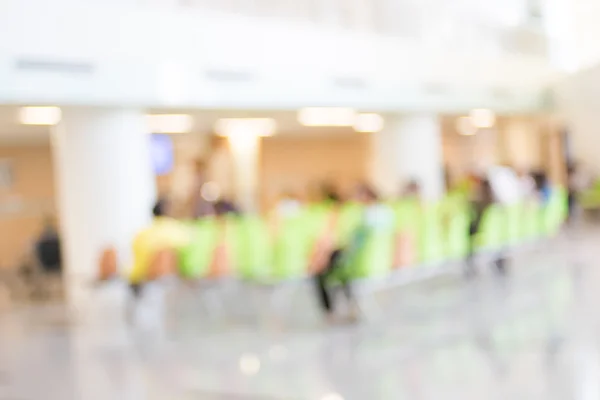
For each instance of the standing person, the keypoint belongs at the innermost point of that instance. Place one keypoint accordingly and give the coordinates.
(481, 202)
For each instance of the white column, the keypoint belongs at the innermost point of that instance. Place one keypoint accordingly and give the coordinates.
(106, 188)
(188, 149)
(409, 148)
(245, 152)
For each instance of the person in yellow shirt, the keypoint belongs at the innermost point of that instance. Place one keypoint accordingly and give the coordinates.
(154, 248)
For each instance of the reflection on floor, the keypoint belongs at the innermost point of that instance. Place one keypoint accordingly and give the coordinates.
(534, 335)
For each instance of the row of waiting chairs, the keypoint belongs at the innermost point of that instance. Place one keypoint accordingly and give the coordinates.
(421, 234)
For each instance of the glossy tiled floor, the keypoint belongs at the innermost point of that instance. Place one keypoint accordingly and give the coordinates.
(533, 335)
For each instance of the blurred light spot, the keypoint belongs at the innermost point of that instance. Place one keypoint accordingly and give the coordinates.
(169, 123)
(278, 353)
(249, 364)
(368, 123)
(483, 118)
(465, 126)
(255, 127)
(210, 191)
(332, 396)
(327, 116)
(39, 115)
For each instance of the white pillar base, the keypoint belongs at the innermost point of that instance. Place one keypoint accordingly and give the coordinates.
(106, 189)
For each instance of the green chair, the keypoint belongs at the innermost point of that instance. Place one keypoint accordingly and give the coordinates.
(457, 235)
(196, 257)
(292, 249)
(252, 249)
(532, 221)
(590, 198)
(514, 215)
(349, 219)
(555, 212)
(376, 256)
(492, 228)
(408, 215)
(315, 219)
(430, 236)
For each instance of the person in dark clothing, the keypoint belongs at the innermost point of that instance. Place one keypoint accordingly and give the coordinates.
(47, 260)
(330, 194)
(47, 248)
(571, 190)
(226, 207)
(324, 292)
(542, 187)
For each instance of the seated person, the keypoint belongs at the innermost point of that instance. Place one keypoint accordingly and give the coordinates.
(329, 256)
(47, 248)
(542, 187)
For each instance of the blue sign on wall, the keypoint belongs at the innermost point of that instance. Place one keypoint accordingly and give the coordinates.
(162, 154)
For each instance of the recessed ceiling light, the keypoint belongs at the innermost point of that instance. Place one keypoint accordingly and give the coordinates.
(368, 122)
(39, 115)
(482, 118)
(254, 127)
(169, 123)
(327, 116)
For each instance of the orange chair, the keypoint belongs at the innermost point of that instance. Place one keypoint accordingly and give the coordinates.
(404, 250)
(163, 263)
(108, 267)
(220, 265)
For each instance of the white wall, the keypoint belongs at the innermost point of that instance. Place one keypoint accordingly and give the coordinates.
(572, 27)
(579, 101)
(158, 56)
